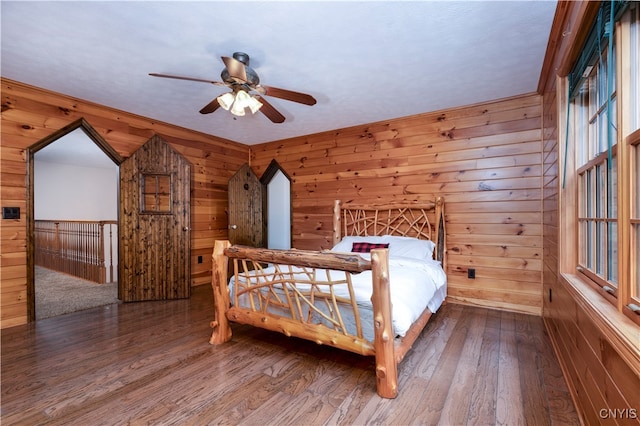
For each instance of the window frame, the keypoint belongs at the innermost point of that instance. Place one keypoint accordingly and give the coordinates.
(632, 302)
(156, 199)
(624, 153)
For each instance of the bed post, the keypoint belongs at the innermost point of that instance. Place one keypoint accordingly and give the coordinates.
(386, 367)
(337, 223)
(441, 235)
(220, 324)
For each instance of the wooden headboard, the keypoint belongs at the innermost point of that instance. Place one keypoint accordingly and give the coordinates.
(408, 220)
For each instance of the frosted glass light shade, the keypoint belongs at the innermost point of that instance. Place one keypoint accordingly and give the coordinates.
(237, 109)
(254, 105)
(242, 99)
(226, 100)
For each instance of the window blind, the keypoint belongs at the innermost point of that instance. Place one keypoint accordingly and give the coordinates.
(596, 41)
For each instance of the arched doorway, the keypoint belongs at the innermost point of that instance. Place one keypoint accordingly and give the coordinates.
(79, 144)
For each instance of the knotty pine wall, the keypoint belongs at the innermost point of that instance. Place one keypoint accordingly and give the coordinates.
(597, 371)
(486, 160)
(29, 114)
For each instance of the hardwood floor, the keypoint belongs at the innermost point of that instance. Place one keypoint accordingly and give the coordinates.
(151, 363)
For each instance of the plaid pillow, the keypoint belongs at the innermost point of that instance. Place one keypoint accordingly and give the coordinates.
(366, 247)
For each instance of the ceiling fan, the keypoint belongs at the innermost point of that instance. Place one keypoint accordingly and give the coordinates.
(246, 90)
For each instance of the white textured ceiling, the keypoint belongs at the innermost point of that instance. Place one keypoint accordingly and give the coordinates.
(363, 61)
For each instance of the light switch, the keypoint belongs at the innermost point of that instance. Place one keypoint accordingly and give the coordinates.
(11, 212)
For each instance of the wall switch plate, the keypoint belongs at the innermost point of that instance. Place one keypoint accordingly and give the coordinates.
(11, 212)
(471, 273)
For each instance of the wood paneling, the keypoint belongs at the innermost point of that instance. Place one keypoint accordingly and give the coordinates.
(486, 160)
(30, 114)
(599, 375)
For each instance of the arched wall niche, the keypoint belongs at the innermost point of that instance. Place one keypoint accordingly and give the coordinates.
(102, 144)
(278, 213)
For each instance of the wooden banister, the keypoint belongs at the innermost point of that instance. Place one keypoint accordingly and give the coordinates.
(76, 247)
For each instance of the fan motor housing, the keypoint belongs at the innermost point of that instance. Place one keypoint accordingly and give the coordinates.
(242, 57)
(252, 76)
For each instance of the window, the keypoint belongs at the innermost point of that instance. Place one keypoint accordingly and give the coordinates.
(603, 132)
(597, 183)
(156, 193)
(634, 145)
(631, 21)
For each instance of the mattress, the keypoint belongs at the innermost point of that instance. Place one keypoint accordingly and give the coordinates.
(415, 284)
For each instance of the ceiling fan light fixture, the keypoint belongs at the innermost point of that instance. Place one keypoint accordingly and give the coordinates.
(226, 100)
(238, 101)
(238, 76)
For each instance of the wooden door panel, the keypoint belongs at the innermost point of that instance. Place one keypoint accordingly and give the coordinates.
(246, 206)
(155, 214)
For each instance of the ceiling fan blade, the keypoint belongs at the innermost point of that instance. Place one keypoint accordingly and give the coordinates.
(268, 110)
(178, 77)
(289, 95)
(235, 68)
(210, 107)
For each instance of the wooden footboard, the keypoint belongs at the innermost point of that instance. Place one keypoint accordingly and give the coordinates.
(296, 296)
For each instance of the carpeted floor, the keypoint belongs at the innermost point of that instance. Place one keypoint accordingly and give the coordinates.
(58, 293)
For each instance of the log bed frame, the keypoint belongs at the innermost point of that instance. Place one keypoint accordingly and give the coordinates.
(410, 219)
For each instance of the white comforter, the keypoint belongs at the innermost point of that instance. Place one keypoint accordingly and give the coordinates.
(414, 286)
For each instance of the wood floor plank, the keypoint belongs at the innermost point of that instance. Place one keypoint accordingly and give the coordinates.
(355, 399)
(509, 403)
(151, 363)
(555, 389)
(231, 407)
(458, 401)
(204, 398)
(92, 379)
(483, 396)
(439, 330)
(416, 370)
(435, 393)
(528, 335)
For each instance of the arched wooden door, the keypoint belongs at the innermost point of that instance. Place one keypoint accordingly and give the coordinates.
(155, 214)
(246, 207)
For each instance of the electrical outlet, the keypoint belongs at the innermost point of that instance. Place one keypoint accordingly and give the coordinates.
(471, 273)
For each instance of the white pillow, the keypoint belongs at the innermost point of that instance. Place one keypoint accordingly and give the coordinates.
(410, 247)
(398, 246)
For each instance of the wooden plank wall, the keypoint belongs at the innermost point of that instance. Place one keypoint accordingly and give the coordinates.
(596, 372)
(29, 114)
(484, 159)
